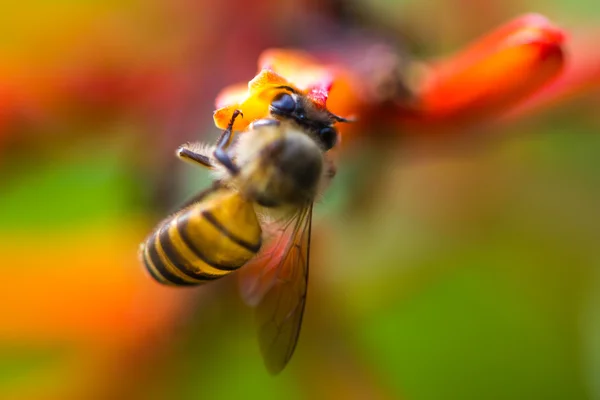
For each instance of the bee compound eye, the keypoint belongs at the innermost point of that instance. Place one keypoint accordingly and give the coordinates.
(328, 137)
(284, 102)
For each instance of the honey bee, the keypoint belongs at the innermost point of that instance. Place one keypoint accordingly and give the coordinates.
(266, 182)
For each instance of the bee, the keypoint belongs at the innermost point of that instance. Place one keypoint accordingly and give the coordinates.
(266, 182)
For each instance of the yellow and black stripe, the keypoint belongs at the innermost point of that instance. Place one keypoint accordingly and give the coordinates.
(203, 242)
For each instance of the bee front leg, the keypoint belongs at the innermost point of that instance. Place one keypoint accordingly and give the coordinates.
(186, 153)
(220, 153)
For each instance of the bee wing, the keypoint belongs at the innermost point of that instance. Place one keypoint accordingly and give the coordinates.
(275, 283)
(257, 276)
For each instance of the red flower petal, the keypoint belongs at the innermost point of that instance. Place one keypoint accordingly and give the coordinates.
(581, 75)
(494, 73)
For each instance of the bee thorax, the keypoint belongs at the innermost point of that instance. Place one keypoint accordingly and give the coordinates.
(288, 171)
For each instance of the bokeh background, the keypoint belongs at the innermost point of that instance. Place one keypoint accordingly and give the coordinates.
(456, 269)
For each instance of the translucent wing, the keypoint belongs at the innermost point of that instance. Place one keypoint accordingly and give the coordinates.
(275, 283)
(258, 275)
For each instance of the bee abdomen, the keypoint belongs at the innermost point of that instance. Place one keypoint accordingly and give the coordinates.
(169, 262)
(203, 243)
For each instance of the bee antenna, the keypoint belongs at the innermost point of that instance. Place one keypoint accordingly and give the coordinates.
(337, 118)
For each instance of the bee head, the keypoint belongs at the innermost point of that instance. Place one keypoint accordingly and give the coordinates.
(294, 106)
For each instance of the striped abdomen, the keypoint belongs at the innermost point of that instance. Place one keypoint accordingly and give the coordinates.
(204, 241)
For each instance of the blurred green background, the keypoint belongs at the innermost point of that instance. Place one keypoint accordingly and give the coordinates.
(468, 273)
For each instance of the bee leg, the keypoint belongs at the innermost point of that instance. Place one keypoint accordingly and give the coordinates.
(259, 123)
(189, 155)
(224, 141)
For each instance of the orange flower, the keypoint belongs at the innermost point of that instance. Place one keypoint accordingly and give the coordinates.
(485, 80)
(335, 82)
(254, 103)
